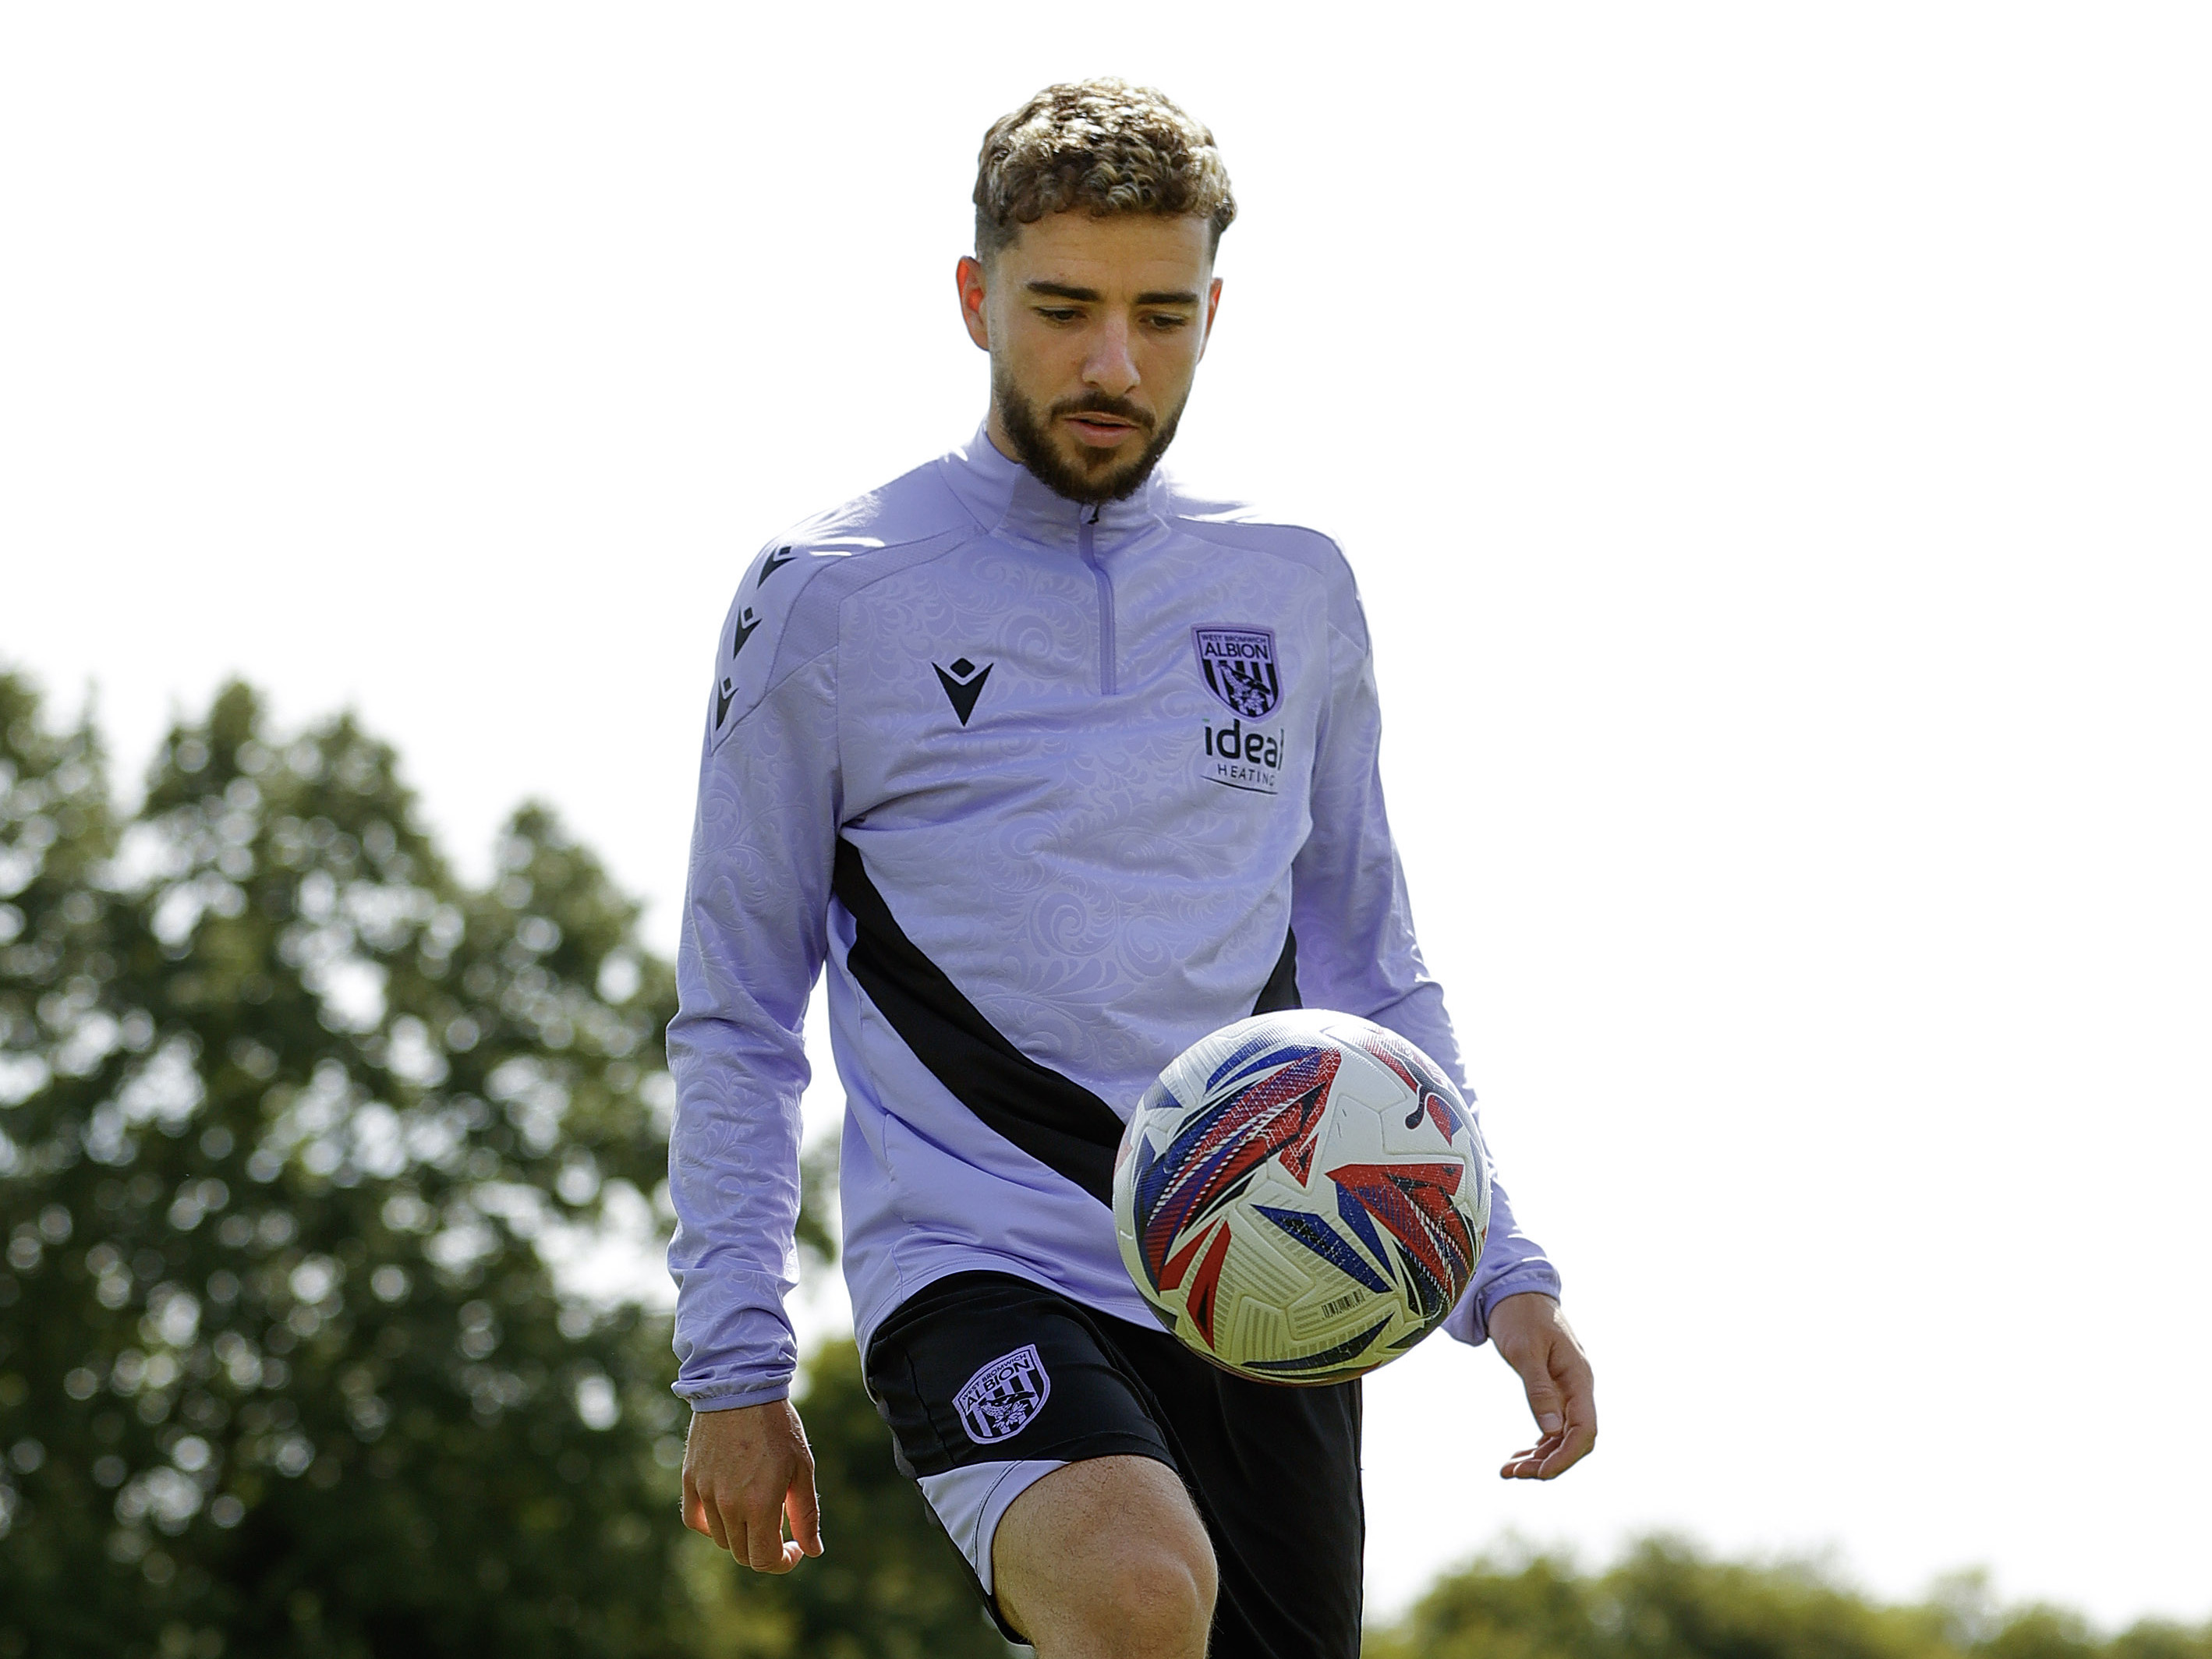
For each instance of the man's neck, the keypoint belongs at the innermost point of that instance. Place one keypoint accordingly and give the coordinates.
(995, 429)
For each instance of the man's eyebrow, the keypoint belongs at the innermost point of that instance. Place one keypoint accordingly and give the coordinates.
(1091, 295)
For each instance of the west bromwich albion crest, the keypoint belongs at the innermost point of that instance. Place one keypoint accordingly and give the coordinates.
(1239, 665)
(999, 1400)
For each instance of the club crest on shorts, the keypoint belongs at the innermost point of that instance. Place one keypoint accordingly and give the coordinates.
(1239, 665)
(1002, 1398)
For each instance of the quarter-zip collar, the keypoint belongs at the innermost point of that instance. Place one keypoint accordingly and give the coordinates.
(1008, 500)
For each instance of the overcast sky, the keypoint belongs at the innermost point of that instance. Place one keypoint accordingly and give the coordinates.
(1772, 441)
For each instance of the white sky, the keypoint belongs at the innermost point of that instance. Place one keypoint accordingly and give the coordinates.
(1773, 441)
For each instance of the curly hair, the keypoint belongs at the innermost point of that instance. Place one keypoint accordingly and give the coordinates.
(1102, 145)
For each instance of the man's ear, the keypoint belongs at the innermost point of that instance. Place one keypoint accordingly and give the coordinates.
(974, 288)
(1213, 305)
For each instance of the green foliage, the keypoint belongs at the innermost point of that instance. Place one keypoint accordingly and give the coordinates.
(283, 1110)
(1664, 1601)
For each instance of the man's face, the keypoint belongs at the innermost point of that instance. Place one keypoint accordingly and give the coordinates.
(1095, 328)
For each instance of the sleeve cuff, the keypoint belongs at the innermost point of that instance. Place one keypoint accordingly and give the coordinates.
(1470, 1320)
(730, 1399)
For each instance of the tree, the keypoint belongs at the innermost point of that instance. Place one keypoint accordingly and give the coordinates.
(284, 1109)
(1665, 1600)
(286, 1112)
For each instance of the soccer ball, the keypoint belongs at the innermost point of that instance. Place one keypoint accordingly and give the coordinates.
(1301, 1196)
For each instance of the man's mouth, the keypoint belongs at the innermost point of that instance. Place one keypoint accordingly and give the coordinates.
(1094, 429)
(1099, 429)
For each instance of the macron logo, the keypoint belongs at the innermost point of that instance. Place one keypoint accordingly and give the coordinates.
(963, 683)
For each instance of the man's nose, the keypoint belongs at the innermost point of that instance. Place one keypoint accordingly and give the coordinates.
(1110, 366)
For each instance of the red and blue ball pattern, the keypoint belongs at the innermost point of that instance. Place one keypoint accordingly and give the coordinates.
(1316, 1165)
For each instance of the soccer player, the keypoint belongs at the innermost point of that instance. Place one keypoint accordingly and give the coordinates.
(1058, 769)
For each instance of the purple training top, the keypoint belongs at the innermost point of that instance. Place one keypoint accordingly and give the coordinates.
(1054, 791)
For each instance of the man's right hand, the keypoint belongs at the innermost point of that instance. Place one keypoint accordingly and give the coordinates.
(745, 1470)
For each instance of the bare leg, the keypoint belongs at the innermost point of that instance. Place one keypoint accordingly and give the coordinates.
(1106, 1559)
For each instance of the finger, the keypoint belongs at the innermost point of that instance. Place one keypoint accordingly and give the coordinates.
(1522, 1464)
(804, 1508)
(1527, 1463)
(1545, 1403)
(1575, 1444)
(1555, 1454)
(701, 1516)
(764, 1545)
(735, 1536)
(732, 1529)
(1573, 1447)
(1579, 1392)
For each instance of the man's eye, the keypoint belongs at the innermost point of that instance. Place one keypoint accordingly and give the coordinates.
(1166, 324)
(1057, 313)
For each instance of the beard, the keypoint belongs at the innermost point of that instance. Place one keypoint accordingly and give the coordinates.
(1097, 476)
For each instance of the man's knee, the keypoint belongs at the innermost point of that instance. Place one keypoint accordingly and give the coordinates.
(1159, 1599)
(1107, 1558)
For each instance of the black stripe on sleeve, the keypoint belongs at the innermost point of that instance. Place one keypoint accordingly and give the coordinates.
(1055, 1120)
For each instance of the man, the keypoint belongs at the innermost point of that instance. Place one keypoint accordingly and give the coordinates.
(963, 748)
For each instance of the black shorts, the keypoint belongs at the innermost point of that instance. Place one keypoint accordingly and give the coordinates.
(989, 1382)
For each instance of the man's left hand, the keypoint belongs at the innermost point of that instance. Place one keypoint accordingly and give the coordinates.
(1534, 1337)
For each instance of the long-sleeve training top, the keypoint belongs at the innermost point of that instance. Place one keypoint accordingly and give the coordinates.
(1054, 790)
